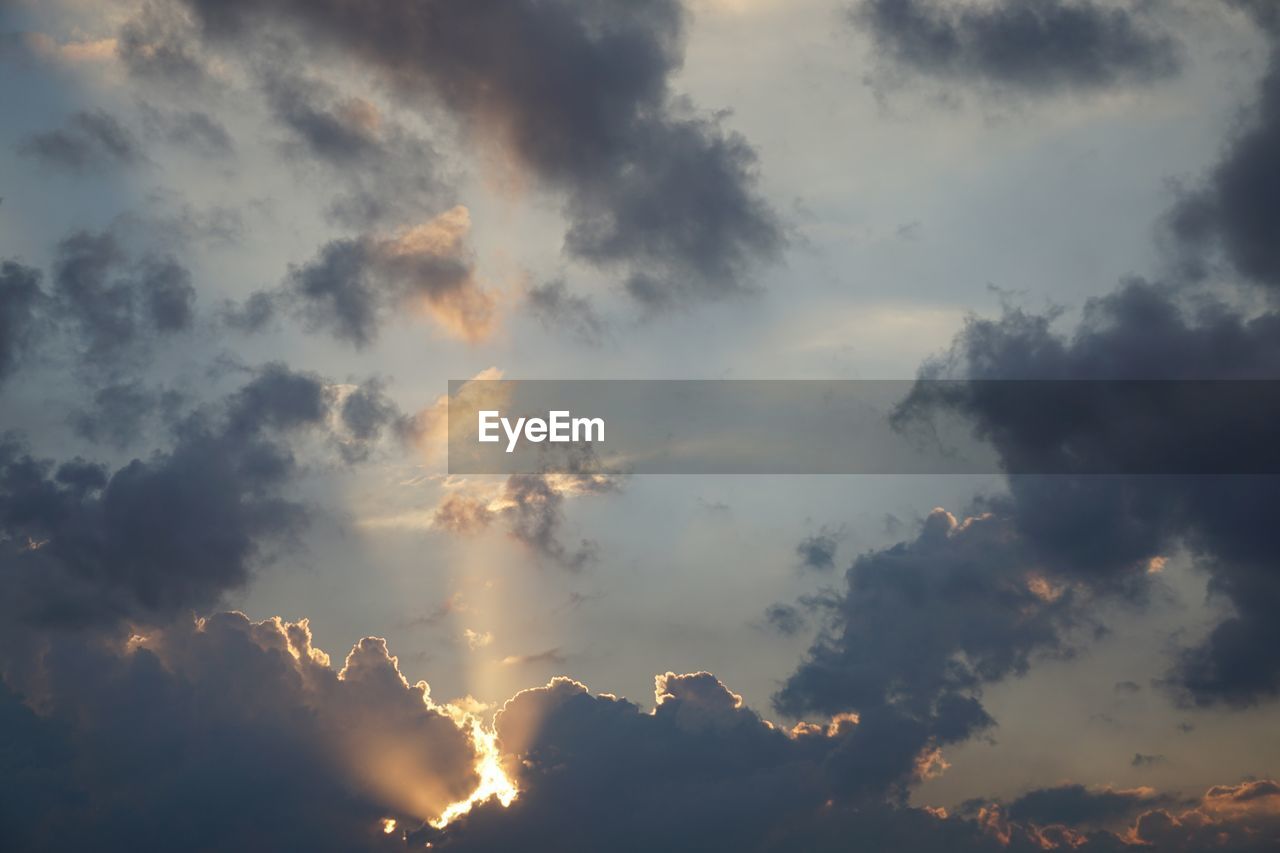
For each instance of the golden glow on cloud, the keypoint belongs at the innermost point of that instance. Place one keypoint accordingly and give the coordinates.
(464, 309)
(930, 764)
(477, 639)
(431, 425)
(46, 47)
(1043, 589)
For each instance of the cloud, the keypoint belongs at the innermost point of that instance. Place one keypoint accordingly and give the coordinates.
(120, 413)
(30, 48)
(1236, 210)
(114, 305)
(428, 429)
(818, 552)
(532, 506)
(255, 315)
(159, 44)
(20, 302)
(552, 657)
(193, 131)
(82, 545)
(921, 627)
(785, 619)
(355, 284)
(558, 310)
(1036, 47)
(1218, 822)
(477, 639)
(595, 770)
(225, 734)
(91, 142)
(363, 414)
(578, 95)
(124, 734)
(390, 174)
(1141, 331)
(1078, 806)
(1143, 760)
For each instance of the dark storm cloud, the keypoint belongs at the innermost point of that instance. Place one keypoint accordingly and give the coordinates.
(158, 535)
(91, 141)
(220, 735)
(20, 302)
(115, 306)
(1035, 46)
(1237, 210)
(1105, 531)
(560, 311)
(579, 94)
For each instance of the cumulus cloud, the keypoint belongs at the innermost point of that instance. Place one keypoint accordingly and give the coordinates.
(81, 544)
(702, 771)
(123, 735)
(224, 734)
(91, 141)
(579, 96)
(921, 627)
(1038, 46)
(595, 770)
(1106, 530)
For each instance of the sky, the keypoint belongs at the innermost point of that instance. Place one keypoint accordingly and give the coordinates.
(245, 246)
